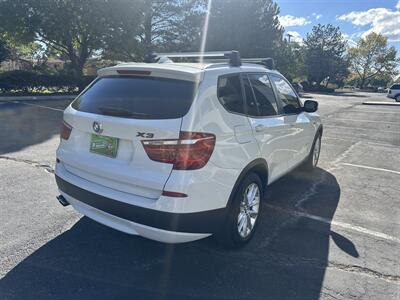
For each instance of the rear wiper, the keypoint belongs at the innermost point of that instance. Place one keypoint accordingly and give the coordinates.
(120, 112)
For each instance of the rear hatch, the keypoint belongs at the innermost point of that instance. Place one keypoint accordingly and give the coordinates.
(112, 118)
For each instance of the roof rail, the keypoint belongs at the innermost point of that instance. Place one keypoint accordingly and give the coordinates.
(266, 61)
(233, 56)
(215, 56)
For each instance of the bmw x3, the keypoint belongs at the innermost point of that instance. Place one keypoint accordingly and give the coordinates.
(176, 151)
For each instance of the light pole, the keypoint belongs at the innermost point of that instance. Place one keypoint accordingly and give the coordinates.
(289, 37)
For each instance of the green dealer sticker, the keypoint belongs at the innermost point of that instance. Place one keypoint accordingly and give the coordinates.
(104, 145)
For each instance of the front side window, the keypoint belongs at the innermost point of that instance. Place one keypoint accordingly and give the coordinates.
(286, 94)
(395, 87)
(230, 93)
(264, 94)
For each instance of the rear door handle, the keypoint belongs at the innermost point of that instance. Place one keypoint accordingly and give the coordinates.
(259, 128)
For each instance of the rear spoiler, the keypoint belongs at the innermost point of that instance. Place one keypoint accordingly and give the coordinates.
(153, 70)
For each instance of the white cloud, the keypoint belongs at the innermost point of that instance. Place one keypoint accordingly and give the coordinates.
(380, 20)
(350, 40)
(295, 37)
(398, 5)
(318, 16)
(289, 20)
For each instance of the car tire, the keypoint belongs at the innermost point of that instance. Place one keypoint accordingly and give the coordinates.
(243, 214)
(312, 160)
(397, 98)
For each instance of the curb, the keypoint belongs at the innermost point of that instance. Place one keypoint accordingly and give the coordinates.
(36, 98)
(381, 103)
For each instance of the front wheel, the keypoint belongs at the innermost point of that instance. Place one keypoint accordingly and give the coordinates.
(244, 213)
(397, 98)
(312, 159)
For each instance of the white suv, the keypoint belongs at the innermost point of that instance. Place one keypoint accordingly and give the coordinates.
(176, 152)
(394, 92)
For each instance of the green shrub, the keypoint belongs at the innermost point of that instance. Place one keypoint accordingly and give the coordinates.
(31, 82)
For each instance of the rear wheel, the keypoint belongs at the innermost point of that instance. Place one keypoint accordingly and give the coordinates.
(243, 214)
(312, 159)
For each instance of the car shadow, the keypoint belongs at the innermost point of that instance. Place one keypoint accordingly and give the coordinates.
(23, 125)
(286, 259)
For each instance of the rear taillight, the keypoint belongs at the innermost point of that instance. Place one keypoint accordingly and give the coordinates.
(190, 152)
(65, 131)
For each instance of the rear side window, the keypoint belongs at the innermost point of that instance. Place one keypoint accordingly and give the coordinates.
(230, 93)
(138, 97)
(286, 94)
(264, 94)
(395, 87)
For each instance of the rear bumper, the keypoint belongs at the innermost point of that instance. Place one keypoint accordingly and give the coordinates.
(158, 225)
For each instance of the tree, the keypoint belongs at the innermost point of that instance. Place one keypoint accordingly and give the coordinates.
(372, 57)
(324, 56)
(187, 31)
(163, 20)
(74, 28)
(290, 60)
(30, 54)
(165, 25)
(252, 27)
(4, 51)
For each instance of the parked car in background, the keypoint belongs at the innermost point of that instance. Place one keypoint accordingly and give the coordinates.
(176, 152)
(298, 87)
(394, 92)
(381, 89)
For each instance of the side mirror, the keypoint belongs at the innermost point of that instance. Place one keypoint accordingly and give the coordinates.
(310, 106)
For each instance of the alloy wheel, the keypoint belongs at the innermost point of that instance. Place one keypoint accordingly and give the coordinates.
(249, 208)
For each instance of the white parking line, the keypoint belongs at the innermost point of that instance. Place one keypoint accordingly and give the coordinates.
(37, 105)
(367, 121)
(368, 142)
(371, 168)
(356, 228)
(357, 128)
(389, 111)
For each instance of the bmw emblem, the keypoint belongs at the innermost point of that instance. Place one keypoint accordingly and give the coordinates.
(97, 127)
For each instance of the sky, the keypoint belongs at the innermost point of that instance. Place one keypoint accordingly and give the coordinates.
(356, 18)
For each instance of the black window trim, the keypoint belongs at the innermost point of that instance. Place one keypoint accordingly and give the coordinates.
(241, 87)
(280, 110)
(277, 94)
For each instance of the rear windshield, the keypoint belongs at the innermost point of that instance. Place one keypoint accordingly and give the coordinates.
(138, 97)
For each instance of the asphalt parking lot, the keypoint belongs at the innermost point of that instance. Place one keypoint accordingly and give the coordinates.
(333, 234)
